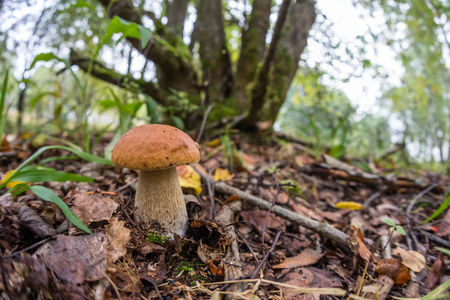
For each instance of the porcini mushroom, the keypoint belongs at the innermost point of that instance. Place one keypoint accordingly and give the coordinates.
(156, 150)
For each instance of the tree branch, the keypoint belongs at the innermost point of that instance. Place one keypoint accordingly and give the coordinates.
(252, 49)
(101, 72)
(216, 63)
(321, 228)
(173, 71)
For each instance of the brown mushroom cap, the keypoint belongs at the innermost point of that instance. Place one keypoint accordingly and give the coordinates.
(155, 147)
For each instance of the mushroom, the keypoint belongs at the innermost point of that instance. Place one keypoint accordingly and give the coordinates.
(156, 150)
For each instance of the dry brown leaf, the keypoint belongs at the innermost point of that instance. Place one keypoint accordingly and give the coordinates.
(91, 207)
(256, 218)
(305, 258)
(118, 237)
(208, 254)
(411, 259)
(362, 250)
(393, 268)
(77, 259)
(434, 273)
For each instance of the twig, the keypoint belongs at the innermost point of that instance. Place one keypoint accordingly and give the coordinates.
(374, 196)
(248, 246)
(321, 228)
(202, 127)
(27, 248)
(410, 207)
(264, 260)
(436, 239)
(125, 186)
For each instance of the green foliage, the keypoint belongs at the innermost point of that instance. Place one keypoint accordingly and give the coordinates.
(156, 238)
(48, 195)
(314, 110)
(28, 173)
(443, 250)
(394, 227)
(127, 29)
(440, 210)
(3, 111)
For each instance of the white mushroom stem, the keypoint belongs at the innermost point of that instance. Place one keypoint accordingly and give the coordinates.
(159, 197)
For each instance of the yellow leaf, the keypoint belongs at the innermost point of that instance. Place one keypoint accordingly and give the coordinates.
(213, 143)
(349, 205)
(10, 184)
(189, 178)
(222, 174)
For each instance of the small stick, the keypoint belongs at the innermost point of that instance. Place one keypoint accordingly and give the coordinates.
(202, 127)
(27, 248)
(264, 260)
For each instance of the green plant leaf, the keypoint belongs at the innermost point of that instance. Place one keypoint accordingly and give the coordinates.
(48, 195)
(389, 222)
(446, 251)
(128, 29)
(50, 56)
(440, 210)
(40, 175)
(400, 230)
(80, 3)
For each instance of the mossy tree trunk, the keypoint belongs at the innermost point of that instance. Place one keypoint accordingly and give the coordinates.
(255, 84)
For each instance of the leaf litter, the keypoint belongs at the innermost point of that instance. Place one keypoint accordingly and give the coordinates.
(254, 254)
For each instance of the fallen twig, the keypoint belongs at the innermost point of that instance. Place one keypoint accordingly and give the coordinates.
(321, 228)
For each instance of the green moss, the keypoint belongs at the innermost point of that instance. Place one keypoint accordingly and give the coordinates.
(156, 238)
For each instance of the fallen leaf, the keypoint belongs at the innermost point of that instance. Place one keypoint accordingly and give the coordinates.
(77, 259)
(215, 270)
(304, 159)
(411, 259)
(189, 178)
(393, 268)
(305, 258)
(222, 175)
(91, 207)
(208, 254)
(362, 250)
(118, 237)
(434, 273)
(257, 218)
(213, 143)
(10, 184)
(349, 205)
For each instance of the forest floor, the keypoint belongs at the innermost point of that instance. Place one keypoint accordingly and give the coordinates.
(334, 230)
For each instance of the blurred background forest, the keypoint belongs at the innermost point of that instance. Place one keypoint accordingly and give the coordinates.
(378, 88)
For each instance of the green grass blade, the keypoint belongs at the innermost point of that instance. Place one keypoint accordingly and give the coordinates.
(81, 154)
(2, 104)
(43, 175)
(48, 195)
(438, 293)
(440, 210)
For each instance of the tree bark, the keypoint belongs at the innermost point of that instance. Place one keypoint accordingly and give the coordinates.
(260, 87)
(287, 56)
(176, 13)
(252, 50)
(215, 59)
